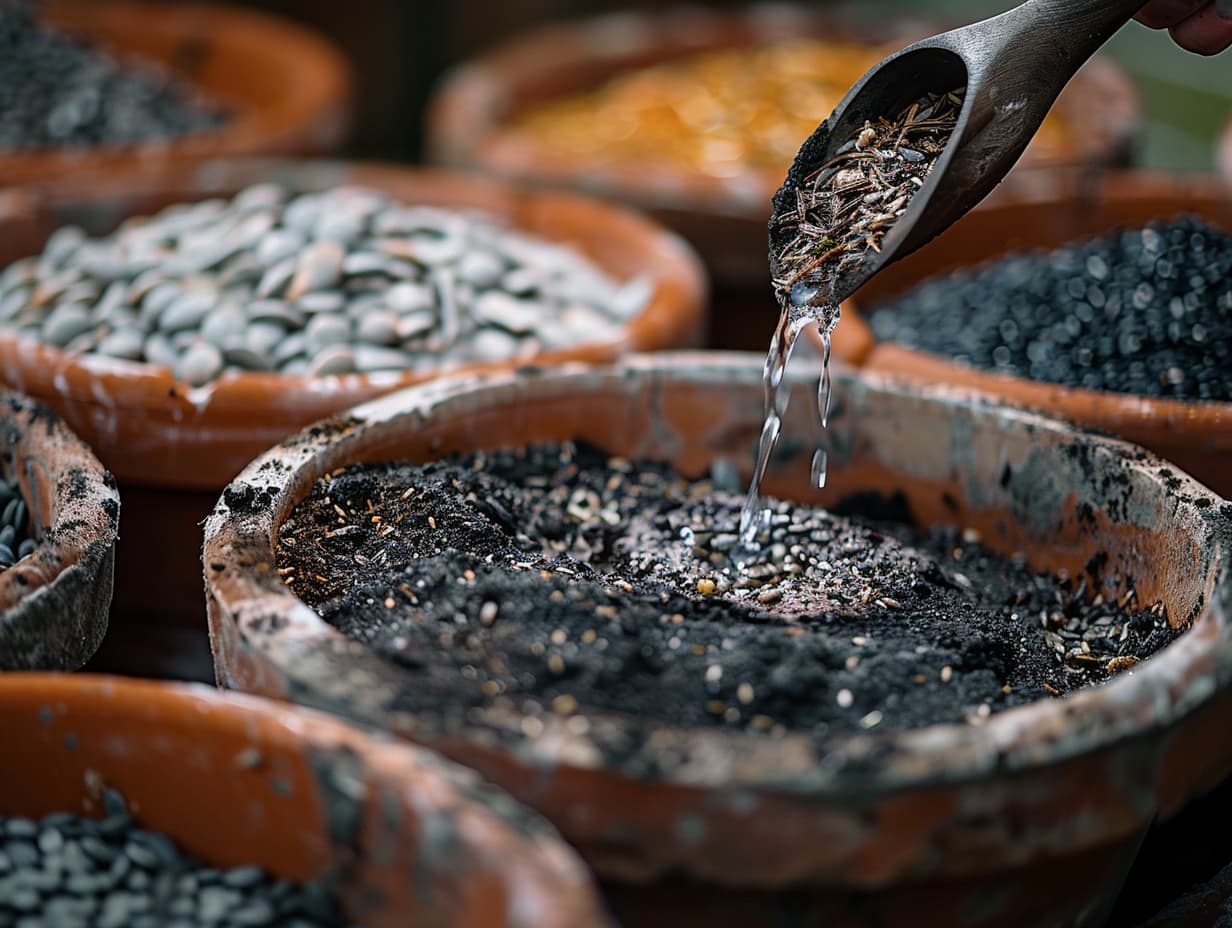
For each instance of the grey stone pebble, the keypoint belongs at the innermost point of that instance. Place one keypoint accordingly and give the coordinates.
(16, 543)
(378, 328)
(199, 364)
(332, 359)
(372, 358)
(322, 301)
(185, 312)
(70, 872)
(65, 323)
(327, 329)
(313, 283)
(225, 323)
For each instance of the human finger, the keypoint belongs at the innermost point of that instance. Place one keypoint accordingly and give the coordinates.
(1164, 14)
(1206, 32)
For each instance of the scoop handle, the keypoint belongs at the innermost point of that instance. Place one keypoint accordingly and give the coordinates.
(1071, 30)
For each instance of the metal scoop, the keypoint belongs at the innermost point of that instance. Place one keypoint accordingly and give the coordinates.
(1012, 67)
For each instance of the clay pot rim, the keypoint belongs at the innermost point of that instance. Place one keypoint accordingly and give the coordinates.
(678, 297)
(1074, 403)
(1026, 737)
(323, 81)
(466, 118)
(555, 880)
(75, 540)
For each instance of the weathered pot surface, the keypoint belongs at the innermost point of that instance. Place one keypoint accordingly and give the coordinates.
(54, 603)
(722, 216)
(1062, 789)
(402, 837)
(286, 88)
(1197, 436)
(150, 429)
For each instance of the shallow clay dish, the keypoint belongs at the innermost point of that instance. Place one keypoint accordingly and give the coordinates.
(403, 837)
(1045, 803)
(54, 603)
(286, 89)
(149, 429)
(723, 217)
(1197, 436)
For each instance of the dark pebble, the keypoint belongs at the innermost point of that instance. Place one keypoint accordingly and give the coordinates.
(1146, 311)
(70, 872)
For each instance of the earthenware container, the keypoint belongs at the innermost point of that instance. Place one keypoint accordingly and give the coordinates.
(173, 447)
(724, 217)
(403, 837)
(1031, 818)
(1197, 436)
(55, 601)
(286, 89)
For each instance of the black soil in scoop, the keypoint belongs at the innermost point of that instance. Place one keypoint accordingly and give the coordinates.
(559, 580)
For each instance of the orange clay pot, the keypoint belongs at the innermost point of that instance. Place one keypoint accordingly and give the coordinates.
(173, 448)
(1197, 436)
(237, 781)
(55, 601)
(723, 217)
(149, 429)
(1030, 819)
(286, 89)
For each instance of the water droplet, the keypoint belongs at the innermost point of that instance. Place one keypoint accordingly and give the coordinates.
(819, 468)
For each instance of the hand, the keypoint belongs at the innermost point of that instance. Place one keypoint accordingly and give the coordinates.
(1202, 26)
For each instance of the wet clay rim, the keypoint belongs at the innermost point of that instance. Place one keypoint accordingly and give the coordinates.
(287, 87)
(1196, 435)
(868, 808)
(408, 838)
(54, 603)
(151, 429)
(466, 118)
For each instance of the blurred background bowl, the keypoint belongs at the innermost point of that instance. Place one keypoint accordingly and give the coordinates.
(286, 90)
(236, 781)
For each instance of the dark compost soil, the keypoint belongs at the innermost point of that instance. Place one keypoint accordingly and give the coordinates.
(561, 580)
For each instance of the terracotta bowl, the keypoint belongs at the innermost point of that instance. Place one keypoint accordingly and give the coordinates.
(403, 837)
(173, 448)
(724, 218)
(1197, 436)
(149, 429)
(286, 88)
(54, 602)
(1045, 802)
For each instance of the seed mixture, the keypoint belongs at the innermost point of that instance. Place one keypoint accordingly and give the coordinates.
(65, 871)
(557, 580)
(342, 281)
(844, 207)
(57, 91)
(15, 539)
(1144, 311)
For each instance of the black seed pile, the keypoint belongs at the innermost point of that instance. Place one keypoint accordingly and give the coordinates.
(15, 540)
(558, 580)
(56, 91)
(1145, 311)
(65, 871)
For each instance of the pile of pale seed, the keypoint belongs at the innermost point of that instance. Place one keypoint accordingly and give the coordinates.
(343, 281)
